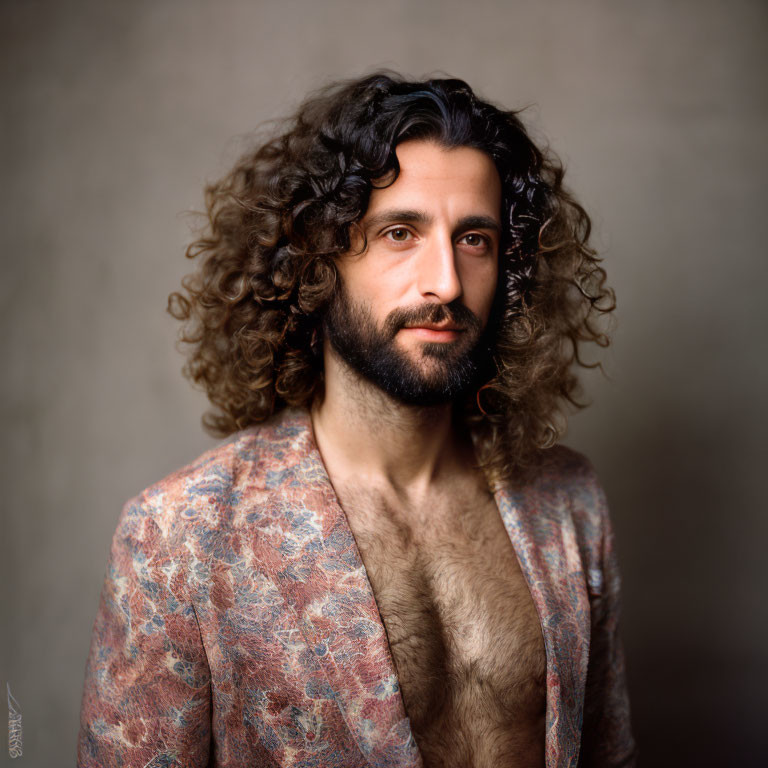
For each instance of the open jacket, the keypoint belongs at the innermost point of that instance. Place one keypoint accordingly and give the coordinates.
(237, 625)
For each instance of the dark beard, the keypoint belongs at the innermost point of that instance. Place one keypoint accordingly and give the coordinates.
(451, 367)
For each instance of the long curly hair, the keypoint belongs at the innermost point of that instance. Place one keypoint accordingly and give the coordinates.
(252, 310)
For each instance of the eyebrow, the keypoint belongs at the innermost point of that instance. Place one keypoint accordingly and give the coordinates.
(409, 216)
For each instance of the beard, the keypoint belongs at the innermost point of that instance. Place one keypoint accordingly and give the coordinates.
(434, 373)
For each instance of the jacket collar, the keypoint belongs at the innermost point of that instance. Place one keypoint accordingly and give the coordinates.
(326, 586)
(537, 518)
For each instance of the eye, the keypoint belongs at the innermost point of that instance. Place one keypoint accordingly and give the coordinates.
(398, 234)
(476, 240)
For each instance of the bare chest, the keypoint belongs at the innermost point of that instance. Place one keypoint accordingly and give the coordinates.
(462, 628)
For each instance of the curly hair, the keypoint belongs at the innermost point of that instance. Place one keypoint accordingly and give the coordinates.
(253, 308)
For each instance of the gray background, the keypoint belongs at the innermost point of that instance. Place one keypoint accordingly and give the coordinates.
(115, 114)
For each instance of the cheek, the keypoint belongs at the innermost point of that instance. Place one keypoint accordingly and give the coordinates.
(367, 290)
(480, 290)
(381, 288)
(357, 283)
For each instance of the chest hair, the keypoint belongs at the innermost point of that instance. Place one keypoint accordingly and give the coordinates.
(463, 630)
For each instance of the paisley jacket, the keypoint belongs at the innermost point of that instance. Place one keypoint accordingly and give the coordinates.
(237, 625)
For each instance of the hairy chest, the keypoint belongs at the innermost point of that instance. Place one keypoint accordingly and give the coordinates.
(463, 631)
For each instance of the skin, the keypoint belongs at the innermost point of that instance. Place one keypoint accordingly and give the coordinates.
(462, 628)
(408, 264)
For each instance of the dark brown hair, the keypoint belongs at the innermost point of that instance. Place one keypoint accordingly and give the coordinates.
(275, 223)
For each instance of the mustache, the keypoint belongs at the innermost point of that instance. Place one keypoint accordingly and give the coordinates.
(455, 312)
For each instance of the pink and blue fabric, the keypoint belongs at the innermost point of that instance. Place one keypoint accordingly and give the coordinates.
(237, 625)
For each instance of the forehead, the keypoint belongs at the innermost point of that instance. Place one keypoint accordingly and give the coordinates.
(453, 181)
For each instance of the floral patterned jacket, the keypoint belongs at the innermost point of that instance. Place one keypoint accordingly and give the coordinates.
(237, 625)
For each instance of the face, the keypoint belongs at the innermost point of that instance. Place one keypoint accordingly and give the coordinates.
(413, 305)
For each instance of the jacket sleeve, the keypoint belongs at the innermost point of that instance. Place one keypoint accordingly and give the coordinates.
(607, 740)
(146, 697)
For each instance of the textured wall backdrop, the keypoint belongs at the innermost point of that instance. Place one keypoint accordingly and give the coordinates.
(114, 115)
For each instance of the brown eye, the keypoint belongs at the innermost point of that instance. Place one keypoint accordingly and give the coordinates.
(399, 235)
(475, 240)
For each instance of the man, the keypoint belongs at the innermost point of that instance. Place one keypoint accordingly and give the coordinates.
(389, 563)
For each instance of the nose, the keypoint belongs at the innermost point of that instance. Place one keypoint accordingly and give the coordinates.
(437, 276)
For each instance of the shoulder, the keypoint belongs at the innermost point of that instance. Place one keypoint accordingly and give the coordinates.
(568, 471)
(217, 486)
(571, 477)
(566, 467)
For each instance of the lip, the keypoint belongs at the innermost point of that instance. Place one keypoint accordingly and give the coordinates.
(435, 332)
(436, 326)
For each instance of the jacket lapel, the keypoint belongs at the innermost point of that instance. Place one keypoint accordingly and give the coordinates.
(540, 526)
(323, 581)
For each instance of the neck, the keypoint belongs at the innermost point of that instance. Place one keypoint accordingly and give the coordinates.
(365, 434)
